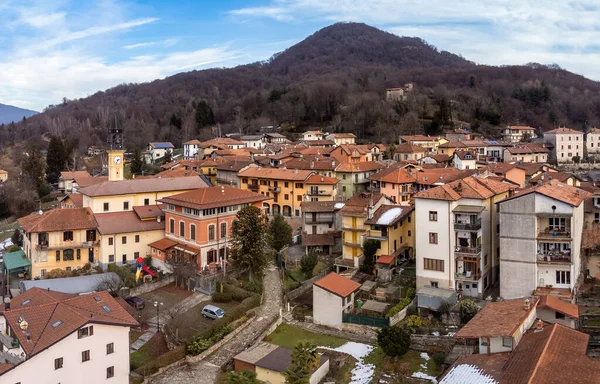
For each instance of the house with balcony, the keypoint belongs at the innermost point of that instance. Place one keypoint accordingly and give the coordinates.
(355, 212)
(321, 226)
(456, 243)
(354, 177)
(199, 222)
(517, 133)
(63, 238)
(190, 149)
(321, 188)
(227, 172)
(540, 241)
(396, 183)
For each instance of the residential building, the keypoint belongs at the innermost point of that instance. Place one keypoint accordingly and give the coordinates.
(510, 172)
(66, 338)
(342, 138)
(396, 183)
(354, 177)
(540, 240)
(441, 159)
(552, 310)
(325, 144)
(561, 177)
(431, 143)
(355, 212)
(568, 144)
(527, 153)
(321, 226)
(321, 188)
(274, 138)
(190, 149)
(313, 135)
(351, 153)
(74, 200)
(200, 222)
(494, 151)
(227, 172)
(333, 295)
(3, 176)
(252, 141)
(320, 165)
(70, 182)
(464, 160)
(124, 236)
(499, 326)
(407, 152)
(592, 142)
(94, 151)
(457, 236)
(158, 150)
(64, 238)
(398, 93)
(518, 133)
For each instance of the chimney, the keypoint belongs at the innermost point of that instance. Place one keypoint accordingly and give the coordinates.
(527, 305)
(7, 303)
(323, 179)
(539, 325)
(158, 219)
(28, 336)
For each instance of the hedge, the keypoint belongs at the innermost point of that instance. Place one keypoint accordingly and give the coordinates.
(410, 295)
(163, 360)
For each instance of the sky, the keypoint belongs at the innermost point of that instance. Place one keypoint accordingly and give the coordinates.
(50, 49)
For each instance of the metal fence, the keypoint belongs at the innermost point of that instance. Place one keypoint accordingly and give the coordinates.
(365, 320)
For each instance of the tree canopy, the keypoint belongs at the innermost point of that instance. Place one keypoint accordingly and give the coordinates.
(248, 235)
(370, 247)
(308, 262)
(394, 341)
(279, 234)
(305, 360)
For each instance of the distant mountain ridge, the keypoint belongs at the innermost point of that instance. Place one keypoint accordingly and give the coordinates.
(9, 113)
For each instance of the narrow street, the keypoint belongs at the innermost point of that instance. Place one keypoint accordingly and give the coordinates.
(206, 371)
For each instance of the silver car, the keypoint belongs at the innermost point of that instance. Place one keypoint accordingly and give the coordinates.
(213, 312)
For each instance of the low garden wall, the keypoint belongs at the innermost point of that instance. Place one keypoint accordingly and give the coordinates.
(151, 286)
(398, 317)
(426, 343)
(302, 289)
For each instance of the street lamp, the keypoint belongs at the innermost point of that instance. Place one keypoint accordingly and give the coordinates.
(157, 305)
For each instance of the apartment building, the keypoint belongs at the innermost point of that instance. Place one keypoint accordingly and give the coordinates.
(227, 172)
(341, 138)
(354, 177)
(396, 183)
(540, 240)
(321, 225)
(568, 143)
(527, 153)
(54, 337)
(321, 188)
(517, 133)
(592, 142)
(190, 149)
(456, 240)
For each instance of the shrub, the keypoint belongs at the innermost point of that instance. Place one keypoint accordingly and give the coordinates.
(410, 295)
(309, 262)
(163, 360)
(237, 294)
(198, 346)
(439, 358)
(394, 341)
(468, 309)
(255, 286)
(87, 267)
(414, 322)
(148, 261)
(224, 297)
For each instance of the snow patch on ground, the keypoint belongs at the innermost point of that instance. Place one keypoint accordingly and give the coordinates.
(362, 373)
(6, 244)
(424, 376)
(435, 333)
(425, 356)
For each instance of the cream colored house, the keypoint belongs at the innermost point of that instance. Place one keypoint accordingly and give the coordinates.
(333, 295)
(592, 142)
(341, 138)
(568, 143)
(516, 133)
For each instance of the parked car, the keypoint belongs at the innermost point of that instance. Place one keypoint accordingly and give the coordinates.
(136, 302)
(213, 312)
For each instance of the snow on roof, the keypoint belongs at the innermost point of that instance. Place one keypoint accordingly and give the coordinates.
(467, 374)
(388, 217)
(339, 205)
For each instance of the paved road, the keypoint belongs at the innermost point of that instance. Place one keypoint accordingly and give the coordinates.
(206, 371)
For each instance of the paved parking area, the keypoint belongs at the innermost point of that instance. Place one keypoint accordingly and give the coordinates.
(169, 296)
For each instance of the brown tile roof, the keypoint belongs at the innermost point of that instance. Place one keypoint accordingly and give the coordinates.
(125, 222)
(177, 172)
(390, 214)
(465, 155)
(316, 240)
(222, 141)
(501, 168)
(56, 318)
(558, 191)
(499, 319)
(233, 165)
(409, 148)
(337, 284)
(59, 219)
(5, 366)
(560, 306)
(554, 355)
(357, 204)
(527, 148)
(321, 165)
(558, 176)
(149, 211)
(126, 187)
(343, 135)
(213, 197)
(76, 198)
(418, 138)
(163, 244)
(431, 176)
(359, 167)
(440, 158)
(472, 187)
(314, 143)
(395, 175)
(318, 206)
(563, 130)
(276, 173)
(521, 127)
(67, 175)
(594, 130)
(321, 180)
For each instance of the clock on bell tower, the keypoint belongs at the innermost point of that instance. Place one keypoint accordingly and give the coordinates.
(116, 154)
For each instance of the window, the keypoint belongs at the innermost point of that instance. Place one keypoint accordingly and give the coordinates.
(211, 233)
(126, 205)
(434, 284)
(172, 226)
(105, 207)
(223, 230)
(110, 241)
(433, 238)
(57, 255)
(43, 272)
(597, 217)
(123, 239)
(433, 264)
(110, 372)
(409, 233)
(193, 232)
(85, 332)
(563, 277)
(432, 215)
(408, 219)
(344, 188)
(111, 258)
(85, 356)
(507, 342)
(299, 198)
(68, 236)
(181, 229)
(58, 363)
(146, 201)
(137, 238)
(110, 348)
(124, 259)
(136, 255)
(286, 197)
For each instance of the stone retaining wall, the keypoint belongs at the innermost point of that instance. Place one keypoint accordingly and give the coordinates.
(302, 289)
(352, 332)
(152, 286)
(424, 343)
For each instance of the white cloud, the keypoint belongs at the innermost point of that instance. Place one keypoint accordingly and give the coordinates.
(164, 43)
(279, 14)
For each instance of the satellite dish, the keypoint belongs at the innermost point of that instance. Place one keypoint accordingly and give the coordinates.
(23, 325)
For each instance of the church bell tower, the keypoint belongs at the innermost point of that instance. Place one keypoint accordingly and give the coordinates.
(116, 154)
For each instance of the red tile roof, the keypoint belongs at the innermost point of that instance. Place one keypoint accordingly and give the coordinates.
(409, 148)
(558, 191)
(385, 259)
(149, 211)
(126, 187)
(359, 167)
(125, 222)
(76, 198)
(472, 187)
(338, 285)
(321, 180)
(212, 197)
(563, 130)
(560, 306)
(54, 318)
(358, 204)
(163, 244)
(395, 175)
(59, 219)
(276, 173)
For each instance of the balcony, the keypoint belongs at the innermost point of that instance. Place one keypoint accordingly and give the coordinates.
(275, 189)
(472, 225)
(321, 192)
(353, 262)
(319, 220)
(550, 233)
(352, 245)
(470, 251)
(468, 275)
(67, 245)
(406, 191)
(376, 235)
(553, 257)
(346, 228)
(253, 187)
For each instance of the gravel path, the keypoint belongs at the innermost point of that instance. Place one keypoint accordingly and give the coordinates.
(205, 371)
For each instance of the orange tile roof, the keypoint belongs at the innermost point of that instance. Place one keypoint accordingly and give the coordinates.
(471, 187)
(359, 167)
(212, 197)
(343, 135)
(163, 244)
(338, 285)
(386, 259)
(177, 172)
(126, 187)
(395, 176)
(149, 211)
(357, 204)
(558, 191)
(76, 198)
(563, 130)
(59, 219)
(276, 173)
(73, 175)
(521, 127)
(321, 180)
(409, 148)
(191, 142)
(497, 319)
(560, 306)
(125, 222)
(419, 138)
(55, 318)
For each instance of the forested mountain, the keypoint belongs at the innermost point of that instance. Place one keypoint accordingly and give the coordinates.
(335, 79)
(9, 113)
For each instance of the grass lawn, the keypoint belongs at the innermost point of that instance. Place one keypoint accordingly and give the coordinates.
(405, 366)
(288, 336)
(155, 347)
(377, 358)
(191, 322)
(300, 276)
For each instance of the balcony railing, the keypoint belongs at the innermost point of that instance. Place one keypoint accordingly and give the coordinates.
(467, 250)
(469, 275)
(67, 245)
(468, 226)
(406, 191)
(319, 220)
(352, 245)
(349, 262)
(275, 189)
(345, 227)
(377, 235)
(319, 193)
(555, 233)
(253, 187)
(554, 257)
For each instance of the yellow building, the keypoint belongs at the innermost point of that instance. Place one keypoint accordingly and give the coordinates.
(394, 227)
(287, 188)
(354, 230)
(61, 238)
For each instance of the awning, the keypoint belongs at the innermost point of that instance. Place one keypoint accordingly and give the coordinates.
(16, 261)
(468, 209)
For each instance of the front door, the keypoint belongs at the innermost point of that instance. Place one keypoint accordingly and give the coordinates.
(91, 255)
(314, 229)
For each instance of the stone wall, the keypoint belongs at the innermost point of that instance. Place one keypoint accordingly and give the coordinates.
(398, 317)
(424, 343)
(302, 289)
(149, 287)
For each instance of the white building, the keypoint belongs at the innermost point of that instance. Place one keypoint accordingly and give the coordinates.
(456, 235)
(332, 296)
(65, 338)
(516, 133)
(341, 138)
(464, 160)
(253, 141)
(313, 135)
(568, 143)
(190, 149)
(156, 151)
(592, 142)
(540, 240)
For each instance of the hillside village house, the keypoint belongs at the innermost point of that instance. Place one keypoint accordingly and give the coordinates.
(65, 338)
(396, 183)
(71, 182)
(253, 141)
(456, 235)
(398, 93)
(60, 238)
(158, 150)
(190, 149)
(553, 310)
(464, 160)
(321, 188)
(333, 295)
(321, 225)
(341, 138)
(517, 133)
(348, 153)
(568, 143)
(407, 151)
(431, 143)
(592, 142)
(527, 153)
(313, 135)
(354, 177)
(540, 240)
(227, 172)
(200, 223)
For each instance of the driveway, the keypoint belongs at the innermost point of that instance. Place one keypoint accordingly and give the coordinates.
(206, 371)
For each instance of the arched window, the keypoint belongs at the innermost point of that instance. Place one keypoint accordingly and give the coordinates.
(172, 226)
(181, 229)
(193, 232)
